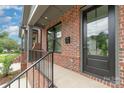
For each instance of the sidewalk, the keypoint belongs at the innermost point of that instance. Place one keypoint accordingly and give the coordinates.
(13, 67)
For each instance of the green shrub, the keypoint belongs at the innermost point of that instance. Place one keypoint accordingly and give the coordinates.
(1, 58)
(17, 51)
(1, 49)
(6, 64)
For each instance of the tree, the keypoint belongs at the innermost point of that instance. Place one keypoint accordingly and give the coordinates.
(4, 34)
(7, 43)
(1, 49)
(10, 44)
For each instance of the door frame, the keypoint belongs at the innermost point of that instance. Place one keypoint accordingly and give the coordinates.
(111, 58)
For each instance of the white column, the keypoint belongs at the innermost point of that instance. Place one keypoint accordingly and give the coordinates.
(25, 40)
(29, 41)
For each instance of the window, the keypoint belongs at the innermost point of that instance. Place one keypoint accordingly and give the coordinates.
(54, 38)
(35, 37)
(97, 31)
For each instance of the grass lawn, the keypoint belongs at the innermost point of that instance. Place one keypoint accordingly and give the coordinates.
(2, 56)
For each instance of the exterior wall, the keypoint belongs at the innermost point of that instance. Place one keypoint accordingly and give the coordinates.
(121, 43)
(22, 59)
(70, 54)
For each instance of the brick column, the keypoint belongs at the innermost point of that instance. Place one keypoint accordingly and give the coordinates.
(121, 43)
(23, 58)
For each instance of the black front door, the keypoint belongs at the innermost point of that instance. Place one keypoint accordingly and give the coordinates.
(99, 41)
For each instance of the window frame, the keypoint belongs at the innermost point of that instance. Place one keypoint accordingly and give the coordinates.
(54, 40)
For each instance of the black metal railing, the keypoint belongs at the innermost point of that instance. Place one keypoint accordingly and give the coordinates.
(36, 54)
(39, 74)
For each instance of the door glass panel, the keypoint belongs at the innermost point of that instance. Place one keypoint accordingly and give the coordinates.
(102, 12)
(91, 16)
(97, 32)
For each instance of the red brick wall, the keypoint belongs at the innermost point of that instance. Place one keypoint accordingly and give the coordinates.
(22, 58)
(70, 54)
(121, 43)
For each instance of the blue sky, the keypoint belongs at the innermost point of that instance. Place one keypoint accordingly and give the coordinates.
(10, 20)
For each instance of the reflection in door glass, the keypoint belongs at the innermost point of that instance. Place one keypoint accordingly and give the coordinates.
(97, 32)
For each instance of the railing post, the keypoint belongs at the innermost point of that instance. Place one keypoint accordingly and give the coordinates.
(52, 70)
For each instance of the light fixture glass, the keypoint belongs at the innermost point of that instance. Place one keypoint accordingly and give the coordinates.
(46, 17)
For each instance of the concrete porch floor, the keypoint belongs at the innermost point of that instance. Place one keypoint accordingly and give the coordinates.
(65, 78)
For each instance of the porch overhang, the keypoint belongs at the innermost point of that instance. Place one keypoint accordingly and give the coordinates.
(26, 12)
(36, 13)
(41, 15)
(51, 12)
(30, 15)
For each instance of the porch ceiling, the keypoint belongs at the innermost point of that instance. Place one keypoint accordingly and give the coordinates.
(52, 12)
(36, 13)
